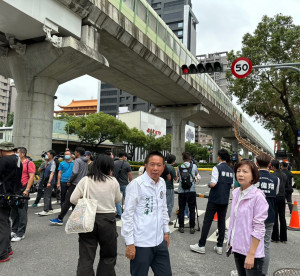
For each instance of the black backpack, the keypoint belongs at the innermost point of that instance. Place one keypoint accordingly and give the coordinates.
(185, 175)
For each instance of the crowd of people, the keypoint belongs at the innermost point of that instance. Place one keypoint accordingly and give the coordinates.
(145, 205)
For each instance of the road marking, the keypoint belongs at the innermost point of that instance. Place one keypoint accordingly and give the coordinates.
(214, 237)
(186, 221)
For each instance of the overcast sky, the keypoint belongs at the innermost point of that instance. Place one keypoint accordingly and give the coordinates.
(222, 24)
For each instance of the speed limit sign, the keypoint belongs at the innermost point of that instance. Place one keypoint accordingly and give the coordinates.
(241, 67)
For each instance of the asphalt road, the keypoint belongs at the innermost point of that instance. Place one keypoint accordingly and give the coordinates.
(48, 251)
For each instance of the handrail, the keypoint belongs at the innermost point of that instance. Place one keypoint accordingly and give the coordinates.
(245, 143)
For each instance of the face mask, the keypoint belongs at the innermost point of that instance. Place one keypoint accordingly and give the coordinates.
(17, 154)
(46, 157)
(67, 157)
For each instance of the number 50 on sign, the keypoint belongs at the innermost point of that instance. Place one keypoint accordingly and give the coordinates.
(241, 67)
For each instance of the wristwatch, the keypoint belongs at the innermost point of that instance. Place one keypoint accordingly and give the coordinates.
(27, 190)
(167, 233)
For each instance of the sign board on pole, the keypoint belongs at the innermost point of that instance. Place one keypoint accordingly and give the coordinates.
(241, 67)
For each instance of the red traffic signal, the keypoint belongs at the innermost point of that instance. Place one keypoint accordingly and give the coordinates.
(209, 67)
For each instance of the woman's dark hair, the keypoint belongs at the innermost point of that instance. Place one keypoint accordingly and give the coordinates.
(102, 166)
(253, 168)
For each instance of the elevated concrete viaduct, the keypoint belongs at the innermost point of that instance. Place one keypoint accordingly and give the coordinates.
(102, 32)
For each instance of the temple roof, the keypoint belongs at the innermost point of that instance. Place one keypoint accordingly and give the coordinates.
(82, 103)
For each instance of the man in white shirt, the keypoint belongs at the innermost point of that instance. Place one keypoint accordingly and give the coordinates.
(145, 221)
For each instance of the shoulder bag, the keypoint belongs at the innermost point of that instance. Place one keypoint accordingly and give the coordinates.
(82, 219)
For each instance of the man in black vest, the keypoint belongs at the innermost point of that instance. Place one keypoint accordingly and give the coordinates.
(280, 205)
(221, 182)
(268, 183)
(289, 188)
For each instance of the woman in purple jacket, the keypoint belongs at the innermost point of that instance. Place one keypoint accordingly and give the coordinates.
(247, 229)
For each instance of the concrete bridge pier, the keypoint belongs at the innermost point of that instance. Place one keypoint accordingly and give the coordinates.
(246, 153)
(179, 116)
(217, 135)
(37, 70)
(235, 145)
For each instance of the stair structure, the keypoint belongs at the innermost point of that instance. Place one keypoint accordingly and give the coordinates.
(245, 143)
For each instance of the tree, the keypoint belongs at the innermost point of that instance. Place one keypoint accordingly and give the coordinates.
(152, 143)
(165, 142)
(272, 96)
(134, 138)
(10, 119)
(1, 124)
(95, 128)
(197, 151)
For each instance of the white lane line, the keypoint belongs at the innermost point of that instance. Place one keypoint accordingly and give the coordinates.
(54, 211)
(214, 237)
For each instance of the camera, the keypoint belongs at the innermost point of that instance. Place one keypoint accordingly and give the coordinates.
(44, 153)
(8, 200)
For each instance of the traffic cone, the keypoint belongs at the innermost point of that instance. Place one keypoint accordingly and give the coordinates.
(294, 223)
(216, 217)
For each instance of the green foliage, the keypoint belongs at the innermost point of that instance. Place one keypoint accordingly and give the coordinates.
(297, 181)
(1, 124)
(197, 151)
(37, 164)
(134, 138)
(152, 143)
(96, 128)
(10, 119)
(272, 96)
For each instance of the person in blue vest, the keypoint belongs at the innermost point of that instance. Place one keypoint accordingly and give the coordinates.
(220, 184)
(269, 184)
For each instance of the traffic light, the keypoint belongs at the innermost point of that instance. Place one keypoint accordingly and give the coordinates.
(208, 67)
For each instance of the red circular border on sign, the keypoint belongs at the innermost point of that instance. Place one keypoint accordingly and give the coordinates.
(237, 60)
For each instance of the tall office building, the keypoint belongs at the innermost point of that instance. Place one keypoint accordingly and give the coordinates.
(8, 94)
(179, 16)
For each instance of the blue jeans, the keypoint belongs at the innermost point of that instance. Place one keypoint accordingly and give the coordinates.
(119, 206)
(170, 201)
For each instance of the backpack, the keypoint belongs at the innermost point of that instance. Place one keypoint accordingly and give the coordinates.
(185, 175)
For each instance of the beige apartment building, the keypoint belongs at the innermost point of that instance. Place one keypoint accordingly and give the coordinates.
(8, 94)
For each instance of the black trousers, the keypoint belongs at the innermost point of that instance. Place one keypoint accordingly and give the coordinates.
(156, 257)
(48, 199)
(190, 199)
(63, 191)
(19, 218)
(288, 197)
(211, 209)
(5, 247)
(280, 212)
(104, 234)
(67, 204)
(240, 261)
(40, 192)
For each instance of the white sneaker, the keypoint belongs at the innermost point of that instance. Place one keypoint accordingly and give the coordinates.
(197, 248)
(234, 273)
(219, 250)
(16, 239)
(12, 234)
(51, 212)
(43, 213)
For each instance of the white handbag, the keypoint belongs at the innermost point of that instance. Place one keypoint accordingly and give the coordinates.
(83, 216)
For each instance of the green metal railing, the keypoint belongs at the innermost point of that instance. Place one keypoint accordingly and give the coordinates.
(141, 14)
